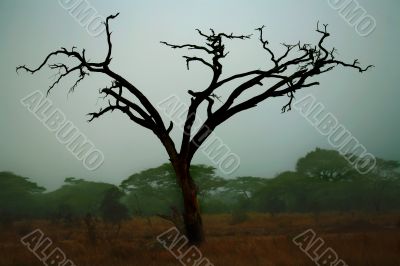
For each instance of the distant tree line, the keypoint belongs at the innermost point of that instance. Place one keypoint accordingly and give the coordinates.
(323, 181)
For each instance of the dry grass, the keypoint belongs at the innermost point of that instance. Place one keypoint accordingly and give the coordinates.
(359, 239)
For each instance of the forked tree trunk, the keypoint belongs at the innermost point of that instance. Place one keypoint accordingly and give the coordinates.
(191, 214)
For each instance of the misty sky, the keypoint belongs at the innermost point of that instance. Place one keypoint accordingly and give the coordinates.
(267, 141)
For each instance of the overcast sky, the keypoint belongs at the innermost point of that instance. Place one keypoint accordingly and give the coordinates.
(266, 141)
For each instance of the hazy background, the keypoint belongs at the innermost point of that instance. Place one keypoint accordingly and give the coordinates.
(266, 140)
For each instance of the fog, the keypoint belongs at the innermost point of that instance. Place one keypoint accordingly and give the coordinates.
(266, 140)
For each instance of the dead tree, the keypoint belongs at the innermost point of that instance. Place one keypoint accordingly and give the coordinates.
(289, 72)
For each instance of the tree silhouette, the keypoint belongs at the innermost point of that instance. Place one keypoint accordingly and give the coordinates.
(289, 73)
(17, 197)
(325, 164)
(112, 211)
(383, 175)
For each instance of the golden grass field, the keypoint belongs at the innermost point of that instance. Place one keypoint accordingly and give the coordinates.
(358, 239)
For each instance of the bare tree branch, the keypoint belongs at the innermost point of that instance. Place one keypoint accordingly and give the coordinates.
(311, 61)
(291, 71)
(147, 115)
(214, 46)
(294, 70)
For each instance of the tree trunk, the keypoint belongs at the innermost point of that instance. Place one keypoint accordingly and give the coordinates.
(191, 214)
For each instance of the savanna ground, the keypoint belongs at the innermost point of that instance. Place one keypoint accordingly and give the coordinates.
(358, 239)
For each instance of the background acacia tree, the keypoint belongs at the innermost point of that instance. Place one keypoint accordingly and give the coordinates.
(17, 197)
(325, 164)
(112, 211)
(384, 175)
(289, 73)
